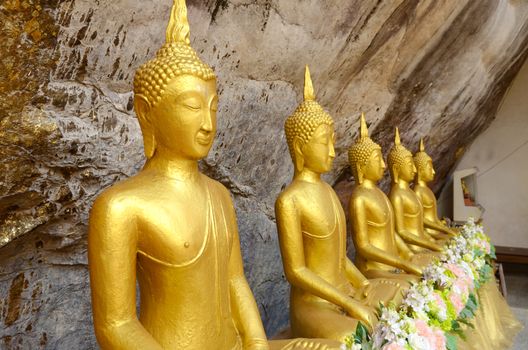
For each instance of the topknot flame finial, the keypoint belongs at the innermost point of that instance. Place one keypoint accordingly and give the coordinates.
(309, 94)
(397, 140)
(422, 147)
(178, 30)
(363, 128)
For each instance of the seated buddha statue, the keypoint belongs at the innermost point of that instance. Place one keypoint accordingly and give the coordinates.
(171, 227)
(328, 293)
(424, 174)
(408, 211)
(379, 251)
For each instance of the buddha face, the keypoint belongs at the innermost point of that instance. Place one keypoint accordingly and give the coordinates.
(184, 120)
(426, 172)
(318, 153)
(375, 167)
(407, 169)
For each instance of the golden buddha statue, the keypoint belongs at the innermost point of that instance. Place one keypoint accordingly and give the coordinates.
(408, 211)
(328, 293)
(424, 174)
(172, 227)
(379, 251)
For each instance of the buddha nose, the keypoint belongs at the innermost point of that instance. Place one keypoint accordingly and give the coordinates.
(332, 151)
(383, 165)
(207, 124)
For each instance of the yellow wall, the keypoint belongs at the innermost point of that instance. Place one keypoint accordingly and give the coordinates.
(501, 155)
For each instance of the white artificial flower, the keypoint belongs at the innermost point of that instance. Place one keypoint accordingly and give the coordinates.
(418, 342)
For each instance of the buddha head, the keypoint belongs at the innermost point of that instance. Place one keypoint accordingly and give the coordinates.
(400, 159)
(424, 164)
(175, 96)
(310, 133)
(365, 156)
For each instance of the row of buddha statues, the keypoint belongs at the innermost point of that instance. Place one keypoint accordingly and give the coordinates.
(173, 229)
(393, 240)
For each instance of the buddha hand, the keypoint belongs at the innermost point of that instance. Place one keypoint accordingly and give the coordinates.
(257, 344)
(363, 313)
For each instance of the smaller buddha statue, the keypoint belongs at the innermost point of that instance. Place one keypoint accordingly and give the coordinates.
(408, 211)
(379, 251)
(328, 293)
(425, 173)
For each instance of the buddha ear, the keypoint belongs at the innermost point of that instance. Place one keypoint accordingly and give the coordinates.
(394, 173)
(297, 150)
(360, 177)
(359, 174)
(142, 108)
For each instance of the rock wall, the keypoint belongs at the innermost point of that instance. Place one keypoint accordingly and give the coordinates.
(437, 69)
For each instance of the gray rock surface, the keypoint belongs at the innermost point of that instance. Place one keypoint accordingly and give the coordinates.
(437, 69)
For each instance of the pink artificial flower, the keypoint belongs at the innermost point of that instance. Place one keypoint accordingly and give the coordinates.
(435, 337)
(463, 286)
(456, 270)
(439, 300)
(393, 346)
(422, 327)
(440, 342)
(457, 302)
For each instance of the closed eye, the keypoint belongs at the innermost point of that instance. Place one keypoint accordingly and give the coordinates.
(192, 107)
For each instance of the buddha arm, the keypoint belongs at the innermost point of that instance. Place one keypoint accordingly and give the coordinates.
(354, 276)
(112, 240)
(438, 227)
(403, 248)
(301, 277)
(369, 251)
(406, 235)
(243, 305)
(435, 224)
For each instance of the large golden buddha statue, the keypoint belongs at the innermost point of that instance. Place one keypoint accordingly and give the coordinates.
(171, 227)
(328, 293)
(408, 211)
(379, 251)
(425, 173)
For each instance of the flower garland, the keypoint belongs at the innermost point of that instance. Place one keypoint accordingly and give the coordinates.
(433, 309)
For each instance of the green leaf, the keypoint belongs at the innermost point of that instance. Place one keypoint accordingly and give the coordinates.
(451, 341)
(361, 333)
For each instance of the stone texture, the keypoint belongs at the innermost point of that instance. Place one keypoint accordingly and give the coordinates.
(438, 69)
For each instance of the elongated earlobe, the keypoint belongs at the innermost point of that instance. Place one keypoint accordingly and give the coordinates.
(394, 173)
(299, 157)
(142, 108)
(358, 174)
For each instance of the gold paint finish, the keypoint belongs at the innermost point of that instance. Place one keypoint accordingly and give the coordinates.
(328, 293)
(425, 173)
(172, 227)
(408, 211)
(379, 251)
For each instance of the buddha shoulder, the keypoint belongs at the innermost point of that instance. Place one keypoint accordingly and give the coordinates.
(120, 200)
(297, 191)
(397, 192)
(360, 193)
